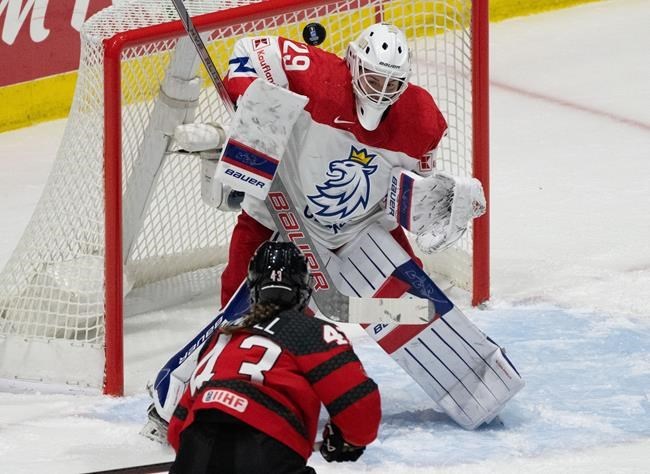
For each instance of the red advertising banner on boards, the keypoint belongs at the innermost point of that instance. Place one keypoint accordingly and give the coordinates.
(41, 37)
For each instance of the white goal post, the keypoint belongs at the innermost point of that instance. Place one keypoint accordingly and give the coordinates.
(119, 213)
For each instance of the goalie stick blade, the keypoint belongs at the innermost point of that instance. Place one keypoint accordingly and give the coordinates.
(378, 310)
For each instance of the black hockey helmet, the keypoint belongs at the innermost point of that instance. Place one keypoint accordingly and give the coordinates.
(278, 274)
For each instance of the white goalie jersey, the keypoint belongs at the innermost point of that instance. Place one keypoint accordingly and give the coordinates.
(337, 173)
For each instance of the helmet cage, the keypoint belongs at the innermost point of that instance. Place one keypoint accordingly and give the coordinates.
(365, 76)
(379, 61)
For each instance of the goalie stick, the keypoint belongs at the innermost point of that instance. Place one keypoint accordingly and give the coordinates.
(333, 304)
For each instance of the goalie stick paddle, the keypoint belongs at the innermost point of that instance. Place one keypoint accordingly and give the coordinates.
(330, 301)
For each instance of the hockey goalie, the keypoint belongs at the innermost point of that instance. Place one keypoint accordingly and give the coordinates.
(348, 145)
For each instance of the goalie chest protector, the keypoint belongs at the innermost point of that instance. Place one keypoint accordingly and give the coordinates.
(337, 172)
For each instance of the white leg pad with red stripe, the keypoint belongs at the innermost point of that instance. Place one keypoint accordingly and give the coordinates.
(457, 365)
(461, 369)
(364, 268)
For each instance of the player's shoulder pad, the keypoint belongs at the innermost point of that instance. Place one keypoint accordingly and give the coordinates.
(416, 115)
(298, 333)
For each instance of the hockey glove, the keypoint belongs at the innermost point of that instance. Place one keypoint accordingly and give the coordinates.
(155, 428)
(335, 448)
(437, 208)
(455, 201)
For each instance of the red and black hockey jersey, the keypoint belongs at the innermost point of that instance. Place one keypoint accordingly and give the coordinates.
(275, 376)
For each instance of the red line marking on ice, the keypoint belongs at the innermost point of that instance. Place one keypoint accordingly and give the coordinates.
(572, 105)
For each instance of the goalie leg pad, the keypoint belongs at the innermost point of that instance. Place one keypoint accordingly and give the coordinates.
(470, 377)
(458, 366)
(463, 370)
(368, 267)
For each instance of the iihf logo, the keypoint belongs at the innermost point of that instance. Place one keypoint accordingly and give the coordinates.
(347, 186)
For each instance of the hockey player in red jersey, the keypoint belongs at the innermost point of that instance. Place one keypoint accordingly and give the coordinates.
(253, 401)
(363, 119)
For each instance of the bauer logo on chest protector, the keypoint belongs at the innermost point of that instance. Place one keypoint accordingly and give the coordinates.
(347, 186)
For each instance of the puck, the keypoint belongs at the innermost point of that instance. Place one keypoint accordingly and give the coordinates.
(314, 34)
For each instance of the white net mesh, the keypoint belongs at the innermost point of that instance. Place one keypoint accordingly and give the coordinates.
(52, 288)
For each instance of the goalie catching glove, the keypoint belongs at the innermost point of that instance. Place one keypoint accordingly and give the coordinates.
(437, 208)
(335, 448)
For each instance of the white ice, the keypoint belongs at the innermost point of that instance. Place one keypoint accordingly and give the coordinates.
(570, 163)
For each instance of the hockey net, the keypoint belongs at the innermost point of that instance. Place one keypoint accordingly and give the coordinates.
(119, 213)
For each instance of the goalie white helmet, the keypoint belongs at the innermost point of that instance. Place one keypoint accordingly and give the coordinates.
(380, 64)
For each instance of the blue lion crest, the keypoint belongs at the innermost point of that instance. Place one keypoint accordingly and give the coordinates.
(347, 186)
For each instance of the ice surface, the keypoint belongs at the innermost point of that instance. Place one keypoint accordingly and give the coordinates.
(570, 141)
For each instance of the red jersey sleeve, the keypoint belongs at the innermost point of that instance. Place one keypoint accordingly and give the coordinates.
(340, 381)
